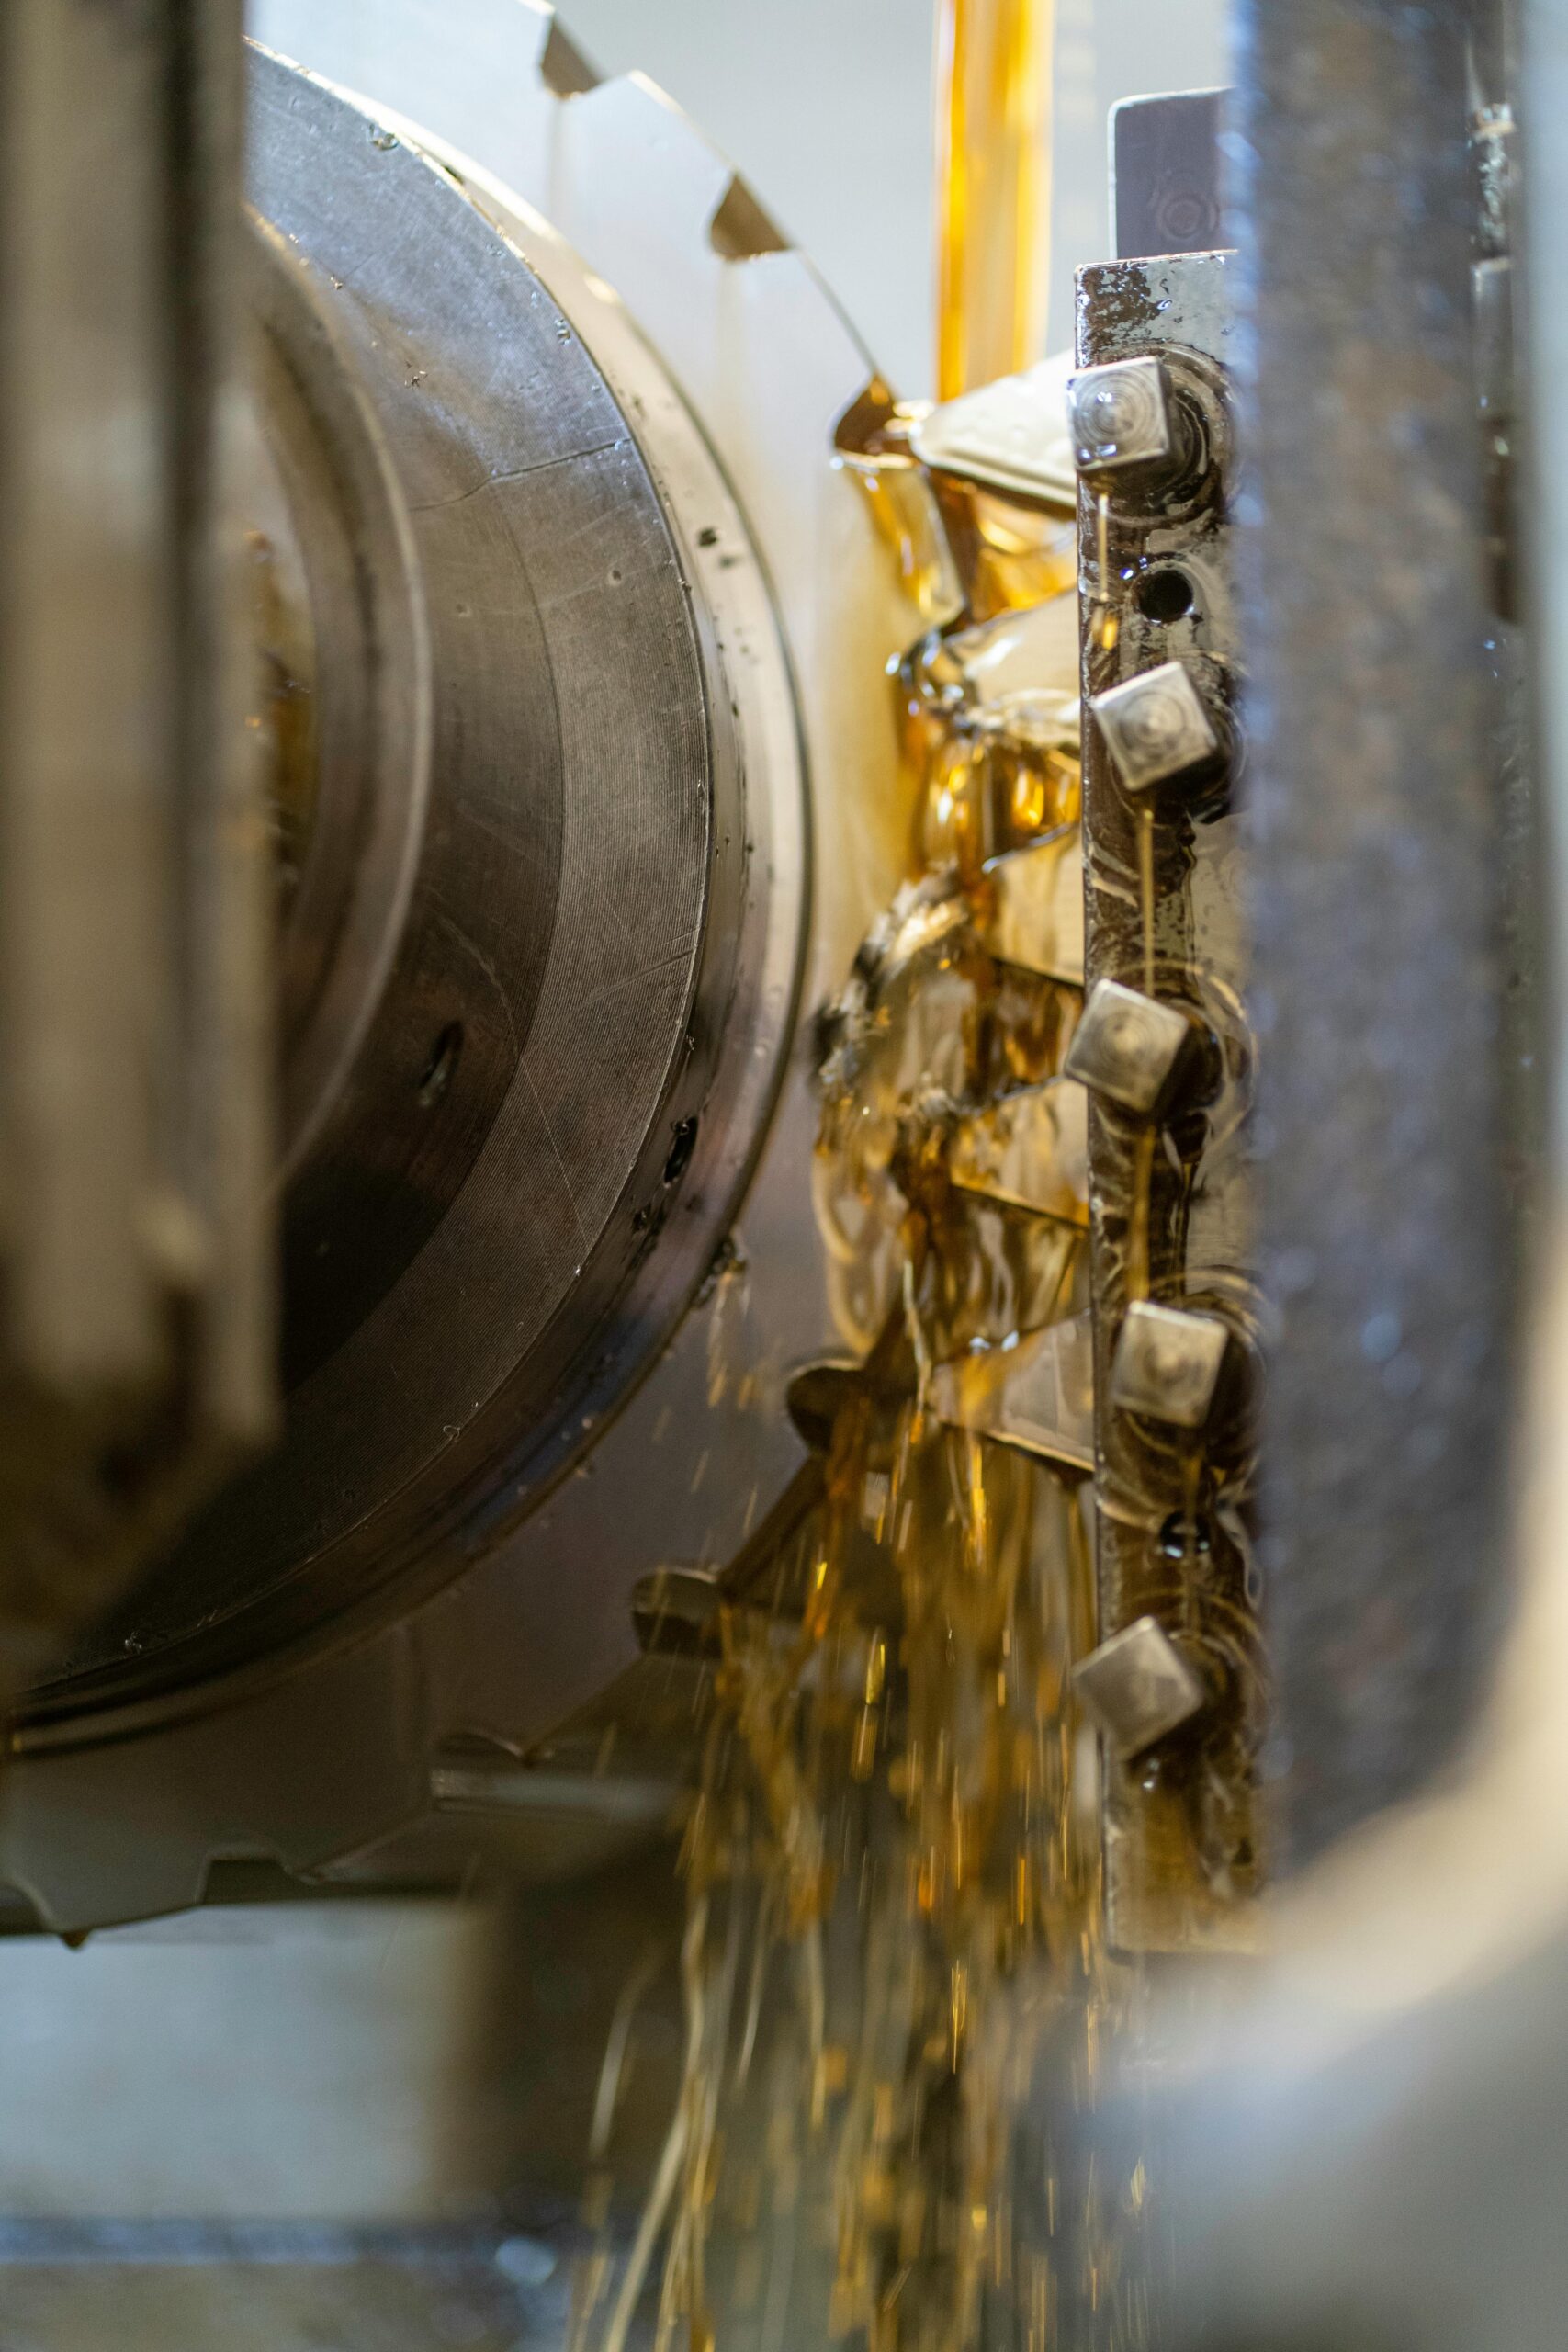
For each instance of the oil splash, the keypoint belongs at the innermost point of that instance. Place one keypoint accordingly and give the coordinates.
(893, 1950)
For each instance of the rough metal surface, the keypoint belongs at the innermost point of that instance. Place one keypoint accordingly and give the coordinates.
(1171, 1205)
(1375, 822)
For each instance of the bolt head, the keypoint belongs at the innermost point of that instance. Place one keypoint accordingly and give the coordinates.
(1119, 416)
(1127, 1047)
(1155, 727)
(1139, 1686)
(1167, 1364)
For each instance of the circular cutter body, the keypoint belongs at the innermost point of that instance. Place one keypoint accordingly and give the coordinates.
(591, 800)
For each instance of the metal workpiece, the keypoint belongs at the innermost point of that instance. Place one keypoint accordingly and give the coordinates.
(1139, 1687)
(1155, 727)
(537, 1299)
(1167, 1364)
(1385, 1226)
(1130, 1047)
(1171, 1164)
(136, 1258)
(534, 543)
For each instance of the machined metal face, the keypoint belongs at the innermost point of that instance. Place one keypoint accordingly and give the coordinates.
(521, 908)
(307, 1714)
(347, 684)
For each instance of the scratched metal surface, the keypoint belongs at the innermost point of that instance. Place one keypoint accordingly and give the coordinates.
(1182, 1844)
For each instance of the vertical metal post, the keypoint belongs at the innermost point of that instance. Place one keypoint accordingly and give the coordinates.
(1543, 97)
(1376, 987)
(136, 1355)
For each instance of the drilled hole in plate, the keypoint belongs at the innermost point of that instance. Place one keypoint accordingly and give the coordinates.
(1166, 596)
(1185, 1539)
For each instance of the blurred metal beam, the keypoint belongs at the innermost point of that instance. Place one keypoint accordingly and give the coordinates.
(135, 1329)
(1376, 991)
(1543, 98)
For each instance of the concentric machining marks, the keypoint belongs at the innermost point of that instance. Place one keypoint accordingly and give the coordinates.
(737, 365)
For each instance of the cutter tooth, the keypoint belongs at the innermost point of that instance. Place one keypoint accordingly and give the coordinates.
(474, 72)
(755, 341)
(1030, 1149)
(1037, 916)
(1037, 1395)
(741, 229)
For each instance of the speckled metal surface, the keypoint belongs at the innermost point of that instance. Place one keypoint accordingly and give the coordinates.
(1376, 819)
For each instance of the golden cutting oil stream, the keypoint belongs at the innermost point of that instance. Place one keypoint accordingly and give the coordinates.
(895, 1948)
(994, 60)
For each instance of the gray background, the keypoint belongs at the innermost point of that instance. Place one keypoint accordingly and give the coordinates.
(825, 105)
